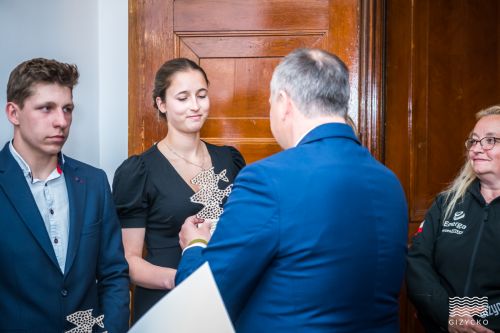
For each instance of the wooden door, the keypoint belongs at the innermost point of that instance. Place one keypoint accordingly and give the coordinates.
(442, 66)
(238, 43)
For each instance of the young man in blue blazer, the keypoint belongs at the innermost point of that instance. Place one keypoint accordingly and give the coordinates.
(61, 257)
(312, 239)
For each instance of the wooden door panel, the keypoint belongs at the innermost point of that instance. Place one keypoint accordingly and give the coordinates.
(231, 128)
(243, 45)
(250, 15)
(252, 149)
(239, 87)
(239, 104)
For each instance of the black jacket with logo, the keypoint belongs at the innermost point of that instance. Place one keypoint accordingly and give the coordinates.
(456, 257)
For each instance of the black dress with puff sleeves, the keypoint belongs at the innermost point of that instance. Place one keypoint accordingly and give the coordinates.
(149, 193)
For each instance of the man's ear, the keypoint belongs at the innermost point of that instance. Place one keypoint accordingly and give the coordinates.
(161, 105)
(288, 105)
(12, 112)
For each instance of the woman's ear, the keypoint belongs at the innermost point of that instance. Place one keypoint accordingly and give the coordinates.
(160, 104)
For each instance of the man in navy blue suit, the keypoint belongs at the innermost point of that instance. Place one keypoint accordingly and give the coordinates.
(61, 257)
(312, 239)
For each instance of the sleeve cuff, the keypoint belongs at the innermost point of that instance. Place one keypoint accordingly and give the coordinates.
(198, 244)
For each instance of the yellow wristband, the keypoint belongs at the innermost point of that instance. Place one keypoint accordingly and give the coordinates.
(198, 240)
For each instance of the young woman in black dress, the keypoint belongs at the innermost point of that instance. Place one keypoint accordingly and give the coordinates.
(152, 190)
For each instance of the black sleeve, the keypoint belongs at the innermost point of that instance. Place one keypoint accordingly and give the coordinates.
(238, 160)
(424, 287)
(130, 193)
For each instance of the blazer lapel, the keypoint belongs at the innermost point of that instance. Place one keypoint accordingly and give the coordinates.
(76, 186)
(14, 185)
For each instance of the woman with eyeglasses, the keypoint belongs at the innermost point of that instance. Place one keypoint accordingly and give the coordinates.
(456, 251)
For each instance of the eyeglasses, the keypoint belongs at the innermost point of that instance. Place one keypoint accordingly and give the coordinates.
(487, 143)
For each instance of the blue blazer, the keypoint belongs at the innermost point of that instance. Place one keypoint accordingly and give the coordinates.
(312, 239)
(35, 296)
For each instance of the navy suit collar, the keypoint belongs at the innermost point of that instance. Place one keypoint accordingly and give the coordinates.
(13, 183)
(76, 184)
(329, 130)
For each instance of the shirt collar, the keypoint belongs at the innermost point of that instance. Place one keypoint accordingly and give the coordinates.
(303, 136)
(26, 168)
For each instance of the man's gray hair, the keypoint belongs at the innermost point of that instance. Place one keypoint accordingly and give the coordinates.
(317, 81)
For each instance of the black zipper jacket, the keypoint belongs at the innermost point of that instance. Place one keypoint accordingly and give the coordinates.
(456, 257)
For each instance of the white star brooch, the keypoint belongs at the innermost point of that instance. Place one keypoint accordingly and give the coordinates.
(209, 195)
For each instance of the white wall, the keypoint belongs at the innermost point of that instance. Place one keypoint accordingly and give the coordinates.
(113, 80)
(92, 34)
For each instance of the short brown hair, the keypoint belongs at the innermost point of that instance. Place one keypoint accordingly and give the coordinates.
(38, 70)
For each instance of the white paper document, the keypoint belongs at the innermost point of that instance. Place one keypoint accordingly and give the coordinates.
(195, 306)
